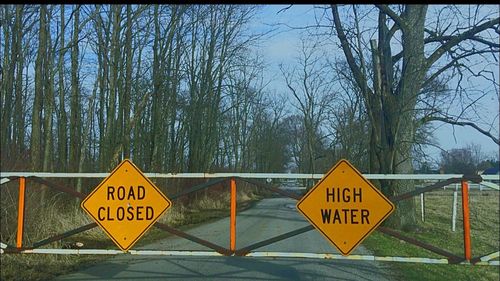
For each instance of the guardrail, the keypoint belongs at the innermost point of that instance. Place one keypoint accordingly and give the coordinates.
(216, 178)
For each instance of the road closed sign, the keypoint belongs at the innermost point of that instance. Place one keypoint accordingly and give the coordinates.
(345, 207)
(126, 204)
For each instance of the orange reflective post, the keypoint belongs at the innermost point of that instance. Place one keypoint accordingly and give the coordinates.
(232, 237)
(20, 212)
(466, 212)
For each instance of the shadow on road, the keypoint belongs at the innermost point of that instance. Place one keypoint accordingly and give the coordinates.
(229, 268)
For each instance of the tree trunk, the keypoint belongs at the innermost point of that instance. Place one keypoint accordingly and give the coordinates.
(397, 128)
(152, 160)
(7, 81)
(102, 77)
(391, 111)
(19, 100)
(111, 122)
(75, 118)
(62, 120)
(128, 85)
(36, 126)
(49, 101)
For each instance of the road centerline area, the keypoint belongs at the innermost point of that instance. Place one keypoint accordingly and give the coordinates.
(269, 217)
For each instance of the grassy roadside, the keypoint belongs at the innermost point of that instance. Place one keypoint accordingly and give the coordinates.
(46, 220)
(436, 230)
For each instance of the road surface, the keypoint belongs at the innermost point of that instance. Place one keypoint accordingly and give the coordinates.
(270, 217)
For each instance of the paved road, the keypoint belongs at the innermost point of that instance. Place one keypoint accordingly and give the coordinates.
(270, 217)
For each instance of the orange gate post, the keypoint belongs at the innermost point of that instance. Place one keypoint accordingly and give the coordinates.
(20, 212)
(466, 213)
(232, 235)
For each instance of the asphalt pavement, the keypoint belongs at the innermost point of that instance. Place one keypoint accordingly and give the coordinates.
(268, 218)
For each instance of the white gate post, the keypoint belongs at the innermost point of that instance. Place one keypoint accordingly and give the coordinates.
(454, 215)
(422, 206)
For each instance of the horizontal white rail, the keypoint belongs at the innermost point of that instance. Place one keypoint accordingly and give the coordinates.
(243, 175)
(490, 185)
(484, 260)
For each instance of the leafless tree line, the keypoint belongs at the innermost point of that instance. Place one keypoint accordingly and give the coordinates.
(175, 88)
(178, 88)
(402, 67)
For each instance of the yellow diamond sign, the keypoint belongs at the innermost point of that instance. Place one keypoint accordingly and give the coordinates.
(345, 207)
(126, 204)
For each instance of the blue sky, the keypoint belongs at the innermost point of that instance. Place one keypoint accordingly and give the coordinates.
(284, 44)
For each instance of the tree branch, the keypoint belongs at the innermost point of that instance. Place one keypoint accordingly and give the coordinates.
(397, 57)
(486, 42)
(455, 40)
(393, 30)
(463, 124)
(453, 62)
(284, 9)
(358, 76)
(443, 38)
(397, 19)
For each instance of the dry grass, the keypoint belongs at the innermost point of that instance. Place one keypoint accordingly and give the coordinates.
(43, 219)
(60, 212)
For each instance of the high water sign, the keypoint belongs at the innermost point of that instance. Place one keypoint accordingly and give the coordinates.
(345, 207)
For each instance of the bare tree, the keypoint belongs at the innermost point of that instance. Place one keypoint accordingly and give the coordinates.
(7, 73)
(75, 105)
(312, 91)
(62, 140)
(40, 68)
(270, 138)
(348, 122)
(215, 41)
(16, 22)
(19, 112)
(149, 82)
(465, 160)
(244, 95)
(399, 74)
(49, 99)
